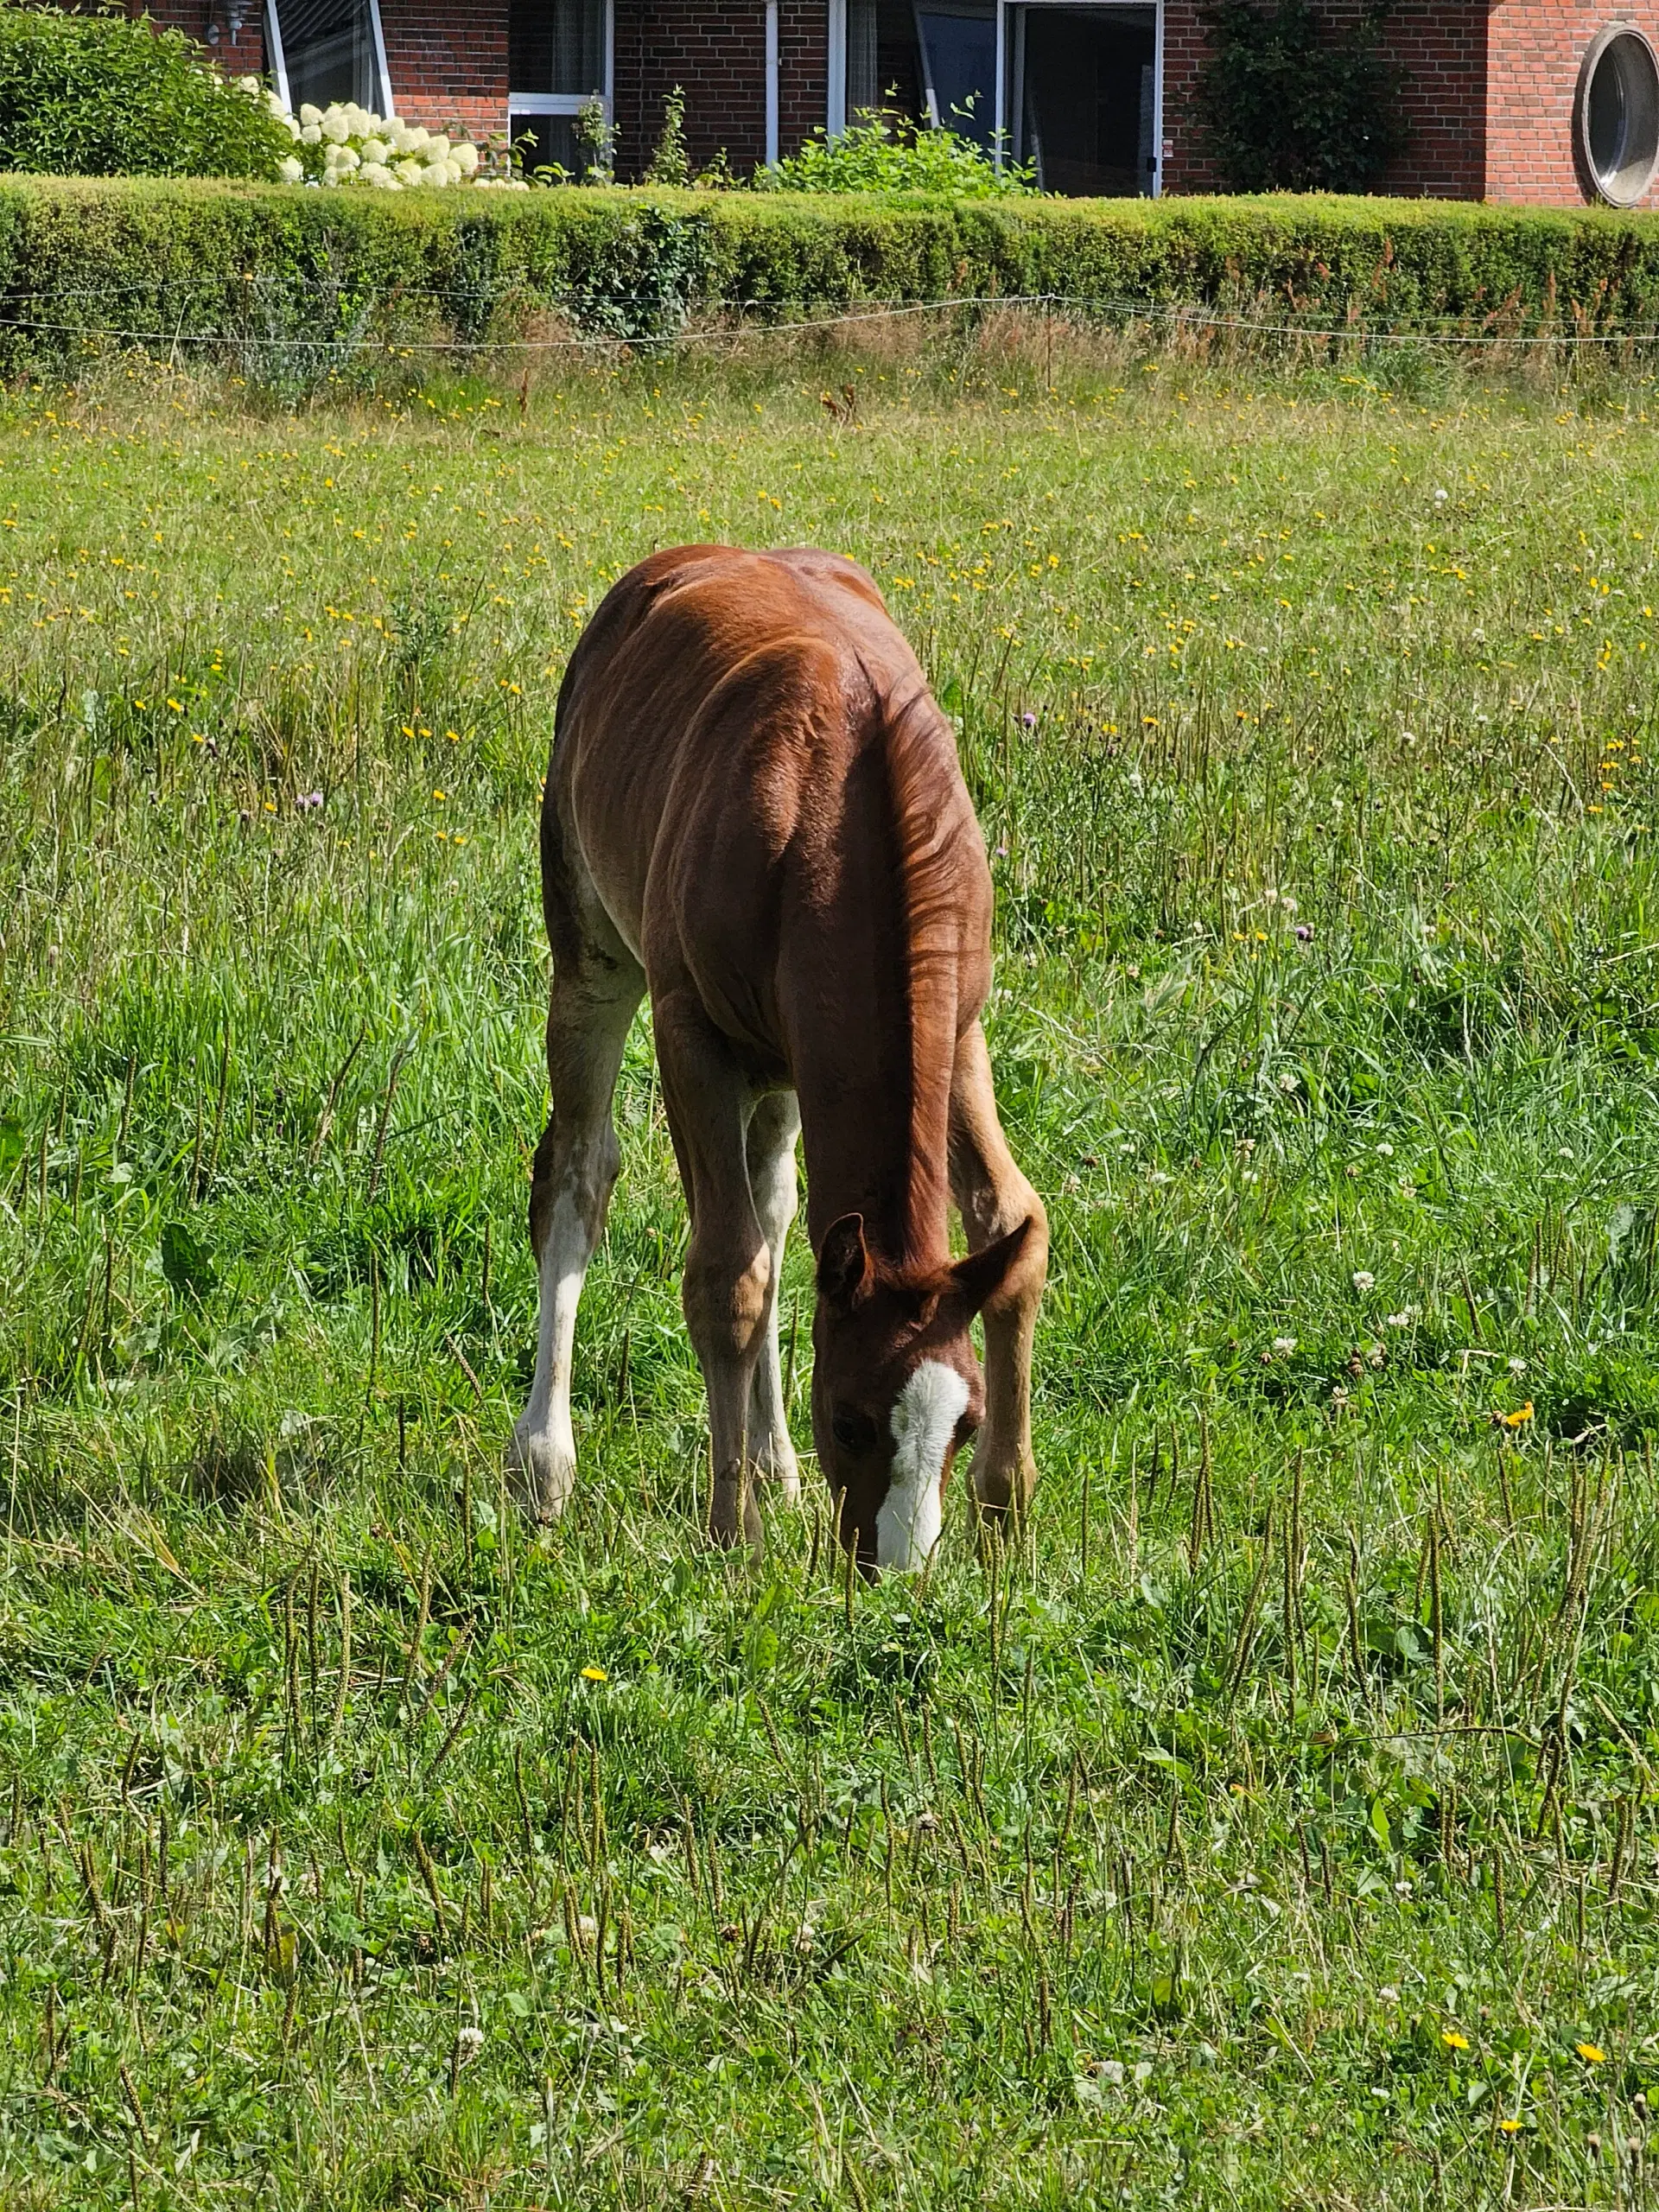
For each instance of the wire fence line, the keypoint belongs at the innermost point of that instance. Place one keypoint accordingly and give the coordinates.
(762, 320)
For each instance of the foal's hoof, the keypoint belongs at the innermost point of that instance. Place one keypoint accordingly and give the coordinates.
(540, 1477)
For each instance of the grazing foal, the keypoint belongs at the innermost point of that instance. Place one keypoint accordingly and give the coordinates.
(755, 810)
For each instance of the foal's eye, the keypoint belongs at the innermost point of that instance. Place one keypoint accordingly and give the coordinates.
(852, 1430)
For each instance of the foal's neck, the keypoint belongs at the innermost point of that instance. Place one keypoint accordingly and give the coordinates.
(875, 1029)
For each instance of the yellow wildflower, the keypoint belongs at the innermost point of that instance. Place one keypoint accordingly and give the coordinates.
(594, 1674)
(1590, 2053)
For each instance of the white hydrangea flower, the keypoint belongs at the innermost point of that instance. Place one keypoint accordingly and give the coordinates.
(335, 125)
(408, 172)
(291, 170)
(466, 157)
(309, 112)
(438, 147)
(375, 151)
(310, 134)
(435, 173)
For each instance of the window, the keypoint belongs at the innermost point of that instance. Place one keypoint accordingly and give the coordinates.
(326, 50)
(558, 59)
(958, 47)
(1618, 115)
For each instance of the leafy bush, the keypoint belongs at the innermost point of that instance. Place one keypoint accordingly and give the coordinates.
(103, 95)
(875, 153)
(1291, 104)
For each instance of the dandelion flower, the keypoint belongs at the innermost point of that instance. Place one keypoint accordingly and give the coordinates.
(1508, 2127)
(1454, 2039)
(594, 1674)
(1519, 1418)
(1590, 2053)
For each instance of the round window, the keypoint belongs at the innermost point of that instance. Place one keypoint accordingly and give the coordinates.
(1618, 115)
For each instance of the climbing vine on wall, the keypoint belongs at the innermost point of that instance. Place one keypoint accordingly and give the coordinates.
(1290, 101)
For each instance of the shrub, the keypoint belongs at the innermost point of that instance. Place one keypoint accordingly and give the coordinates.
(103, 95)
(344, 143)
(244, 270)
(875, 153)
(1290, 104)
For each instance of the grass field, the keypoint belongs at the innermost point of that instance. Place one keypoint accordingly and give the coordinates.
(1275, 1824)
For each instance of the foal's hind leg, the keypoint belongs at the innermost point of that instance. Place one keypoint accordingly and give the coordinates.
(993, 1198)
(595, 994)
(774, 1128)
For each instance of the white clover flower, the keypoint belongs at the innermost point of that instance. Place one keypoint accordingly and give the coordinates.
(1517, 1368)
(309, 112)
(291, 170)
(1283, 1346)
(1385, 1152)
(1362, 1279)
(1396, 1320)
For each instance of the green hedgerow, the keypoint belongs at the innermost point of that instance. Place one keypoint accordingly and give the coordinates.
(103, 95)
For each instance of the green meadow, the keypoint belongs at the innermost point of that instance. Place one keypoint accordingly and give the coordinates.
(1272, 1822)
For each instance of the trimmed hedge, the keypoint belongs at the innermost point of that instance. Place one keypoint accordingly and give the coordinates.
(294, 285)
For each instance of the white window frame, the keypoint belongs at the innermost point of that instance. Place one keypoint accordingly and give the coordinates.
(1006, 74)
(384, 102)
(835, 118)
(572, 103)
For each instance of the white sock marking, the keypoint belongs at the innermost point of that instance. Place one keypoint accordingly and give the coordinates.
(925, 1416)
(545, 1424)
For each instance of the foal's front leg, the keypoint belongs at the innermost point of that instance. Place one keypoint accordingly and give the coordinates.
(726, 1292)
(994, 1197)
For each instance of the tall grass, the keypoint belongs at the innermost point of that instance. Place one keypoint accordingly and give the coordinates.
(1274, 1823)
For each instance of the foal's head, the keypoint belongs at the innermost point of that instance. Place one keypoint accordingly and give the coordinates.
(896, 1388)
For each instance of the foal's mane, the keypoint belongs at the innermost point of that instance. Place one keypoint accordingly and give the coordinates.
(918, 745)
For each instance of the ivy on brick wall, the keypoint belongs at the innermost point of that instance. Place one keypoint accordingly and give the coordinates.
(1292, 101)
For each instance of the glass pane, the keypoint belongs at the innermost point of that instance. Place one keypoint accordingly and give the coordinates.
(1087, 109)
(546, 141)
(556, 46)
(327, 51)
(864, 88)
(960, 51)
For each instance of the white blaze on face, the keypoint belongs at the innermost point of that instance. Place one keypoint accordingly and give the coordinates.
(924, 1417)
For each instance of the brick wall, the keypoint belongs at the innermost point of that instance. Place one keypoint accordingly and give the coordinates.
(448, 63)
(1441, 44)
(1535, 48)
(717, 55)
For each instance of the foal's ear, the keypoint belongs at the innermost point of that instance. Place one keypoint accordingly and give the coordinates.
(977, 1278)
(844, 1267)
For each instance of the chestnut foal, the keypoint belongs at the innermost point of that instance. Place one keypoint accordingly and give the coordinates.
(755, 810)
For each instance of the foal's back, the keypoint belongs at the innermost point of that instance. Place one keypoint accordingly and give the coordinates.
(744, 741)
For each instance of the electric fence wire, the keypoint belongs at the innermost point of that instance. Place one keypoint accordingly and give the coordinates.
(1196, 317)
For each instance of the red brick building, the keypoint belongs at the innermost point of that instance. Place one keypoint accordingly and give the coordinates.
(1552, 102)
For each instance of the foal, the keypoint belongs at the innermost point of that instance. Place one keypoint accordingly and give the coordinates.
(755, 810)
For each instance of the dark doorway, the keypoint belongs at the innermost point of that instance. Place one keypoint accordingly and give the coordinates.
(1084, 98)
